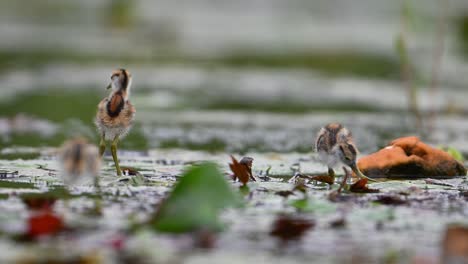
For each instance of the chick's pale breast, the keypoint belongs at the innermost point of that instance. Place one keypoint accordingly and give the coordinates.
(119, 125)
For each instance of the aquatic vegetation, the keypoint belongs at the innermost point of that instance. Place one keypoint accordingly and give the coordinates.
(195, 202)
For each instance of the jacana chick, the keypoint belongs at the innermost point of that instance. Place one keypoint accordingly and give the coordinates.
(335, 146)
(248, 162)
(79, 161)
(115, 114)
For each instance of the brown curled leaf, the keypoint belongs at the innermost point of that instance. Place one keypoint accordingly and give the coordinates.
(361, 187)
(240, 171)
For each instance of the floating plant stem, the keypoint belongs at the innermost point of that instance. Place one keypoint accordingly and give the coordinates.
(437, 56)
(407, 70)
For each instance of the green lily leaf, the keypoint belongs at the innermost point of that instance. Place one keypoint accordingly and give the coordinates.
(195, 202)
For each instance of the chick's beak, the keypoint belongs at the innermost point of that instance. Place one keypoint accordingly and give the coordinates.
(109, 86)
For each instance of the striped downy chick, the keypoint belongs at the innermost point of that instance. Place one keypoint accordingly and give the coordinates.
(115, 114)
(335, 146)
(248, 162)
(79, 161)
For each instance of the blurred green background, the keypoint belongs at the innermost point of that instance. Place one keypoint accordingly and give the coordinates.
(235, 75)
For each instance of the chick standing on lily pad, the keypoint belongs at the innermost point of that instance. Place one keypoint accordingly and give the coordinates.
(79, 161)
(115, 114)
(335, 146)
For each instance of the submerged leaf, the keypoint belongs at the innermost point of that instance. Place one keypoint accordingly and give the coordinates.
(195, 201)
(361, 187)
(455, 244)
(290, 228)
(390, 199)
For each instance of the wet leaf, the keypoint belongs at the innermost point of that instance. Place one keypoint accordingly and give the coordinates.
(361, 187)
(240, 171)
(323, 178)
(455, 244)
(43, 224)
(288, 228)
(284, 194)
(391, 199)
(195, 202)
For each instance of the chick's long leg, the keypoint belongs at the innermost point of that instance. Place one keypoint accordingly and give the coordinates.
(102, 146)
(331, 173)
(114, 155)
(345, 179)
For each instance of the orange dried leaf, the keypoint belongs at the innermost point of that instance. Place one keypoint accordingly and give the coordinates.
(361, 187)
(240, 171)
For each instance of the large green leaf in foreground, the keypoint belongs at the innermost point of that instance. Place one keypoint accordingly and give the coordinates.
(196, 201)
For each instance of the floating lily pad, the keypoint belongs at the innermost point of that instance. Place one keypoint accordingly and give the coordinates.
(195, 202)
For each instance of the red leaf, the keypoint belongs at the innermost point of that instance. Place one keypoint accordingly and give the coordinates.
(361, 187)
(44, 224)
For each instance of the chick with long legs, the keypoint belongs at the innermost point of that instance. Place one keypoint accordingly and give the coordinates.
(115, 114)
